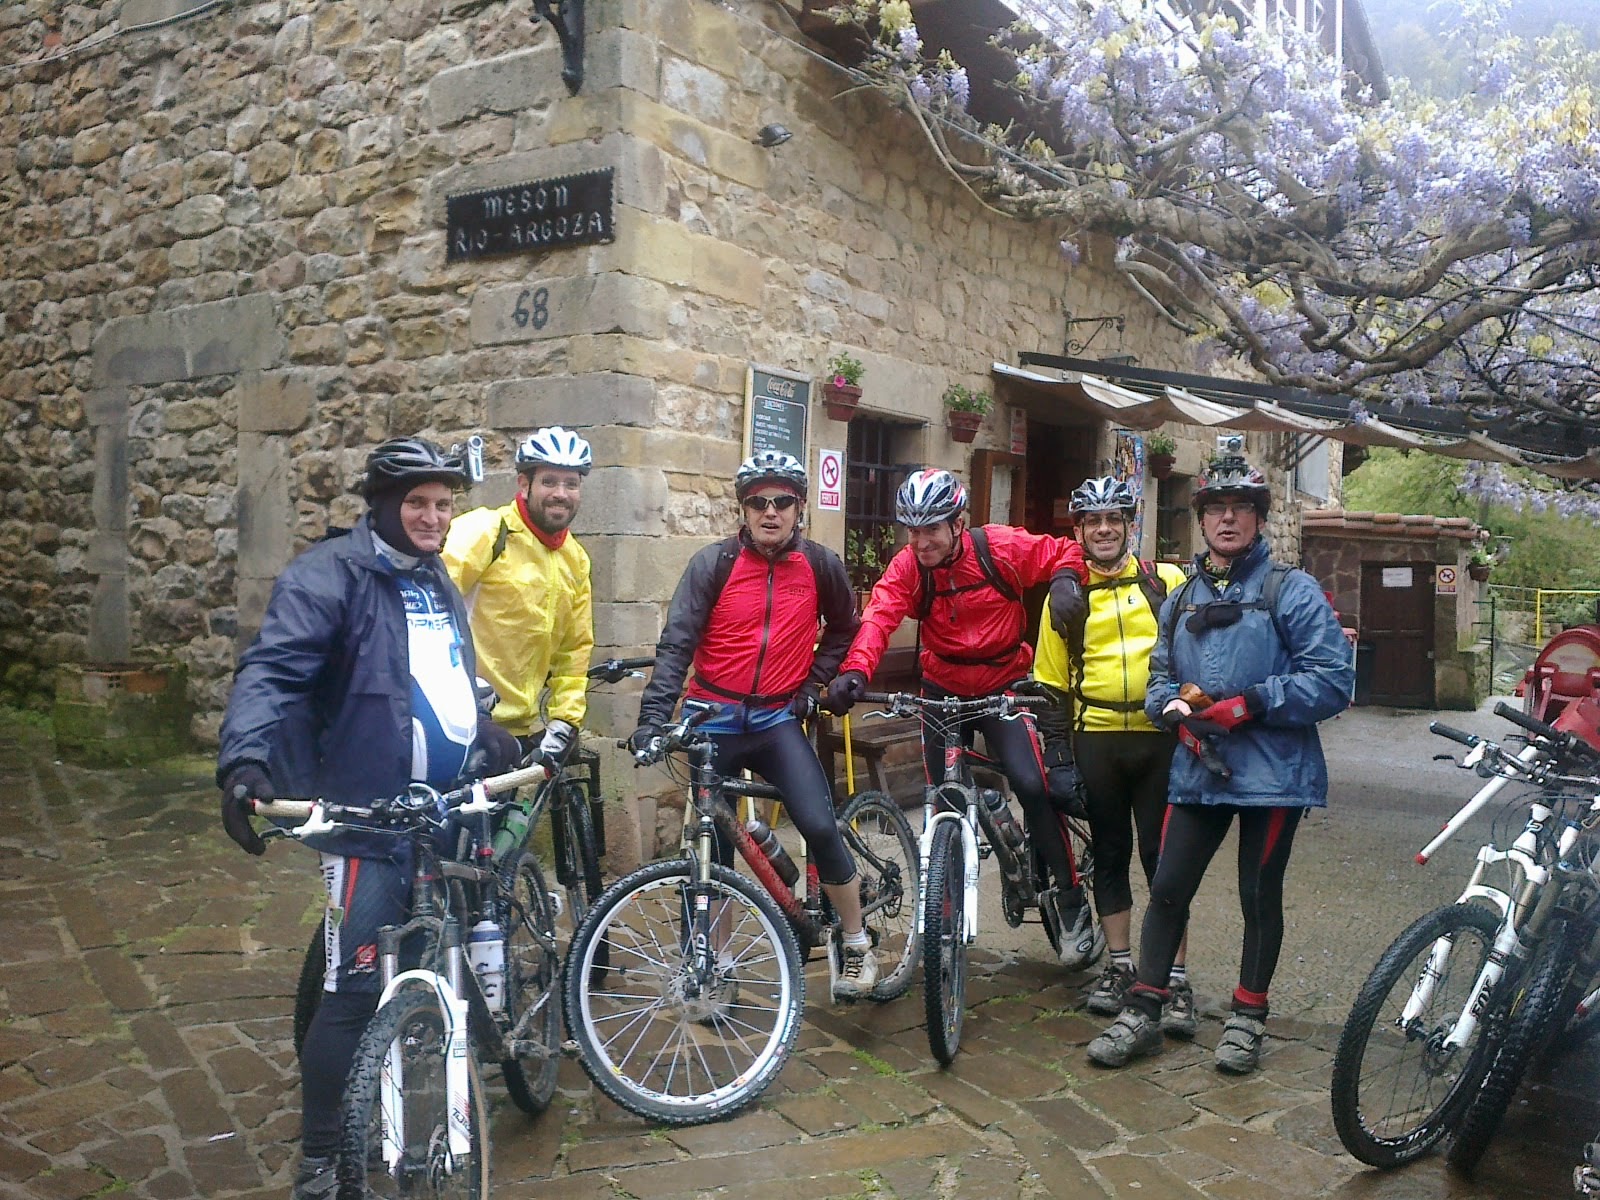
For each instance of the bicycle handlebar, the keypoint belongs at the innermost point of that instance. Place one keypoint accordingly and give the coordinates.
(1455, 735)
(897, 702)
(673, 737)
(615, 670)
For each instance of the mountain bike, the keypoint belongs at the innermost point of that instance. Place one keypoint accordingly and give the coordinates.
(577, 836)
(961, 826)
(483, 990)
(701, 1006)
(1459, 1004)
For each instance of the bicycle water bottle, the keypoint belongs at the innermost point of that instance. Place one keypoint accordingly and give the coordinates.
(1005, 824)
(776, 854)
(513, 829)
(486, 951)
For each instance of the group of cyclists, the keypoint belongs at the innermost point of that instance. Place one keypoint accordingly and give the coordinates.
(1182, 702)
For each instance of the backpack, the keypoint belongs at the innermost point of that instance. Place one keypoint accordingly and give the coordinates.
(1268, 600)
(991, 578)
(1150, 583)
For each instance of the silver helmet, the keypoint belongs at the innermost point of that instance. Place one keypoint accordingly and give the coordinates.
(1105, 494)
(766, 467)
(928, 497)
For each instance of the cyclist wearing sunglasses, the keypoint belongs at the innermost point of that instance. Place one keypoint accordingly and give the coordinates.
(1279, 665)
(526, 582)
(965, 587)
(1099, 728)
(745, 616)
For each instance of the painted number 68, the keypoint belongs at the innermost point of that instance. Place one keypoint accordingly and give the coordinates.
(533, 308)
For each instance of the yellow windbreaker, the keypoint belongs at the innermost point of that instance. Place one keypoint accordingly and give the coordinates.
(531, 613)
(1117, 640)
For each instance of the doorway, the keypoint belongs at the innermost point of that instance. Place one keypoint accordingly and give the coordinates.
(1397, 632)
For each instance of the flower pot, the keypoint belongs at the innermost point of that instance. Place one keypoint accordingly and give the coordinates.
(963, 426)
(1161, 465)
(1478, 571)
(840, 400)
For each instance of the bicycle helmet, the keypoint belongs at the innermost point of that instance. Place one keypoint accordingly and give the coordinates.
(409, 461)
(1232, 476)
(928, 497)
(554, 446)
(1105, 494)
(769, 467)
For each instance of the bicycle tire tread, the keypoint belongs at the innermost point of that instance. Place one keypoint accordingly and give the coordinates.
(944, 857)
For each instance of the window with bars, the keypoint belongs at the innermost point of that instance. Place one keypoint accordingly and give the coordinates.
(871, 478)
(1174, 523)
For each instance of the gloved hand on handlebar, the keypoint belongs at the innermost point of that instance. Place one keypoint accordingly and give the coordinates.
(641, 738)
(243, 783)
(559, 738)
(845, 692)
(804, 703)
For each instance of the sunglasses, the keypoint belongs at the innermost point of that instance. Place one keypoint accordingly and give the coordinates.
(760, 504)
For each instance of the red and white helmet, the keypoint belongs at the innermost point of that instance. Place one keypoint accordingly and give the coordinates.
(928, 497)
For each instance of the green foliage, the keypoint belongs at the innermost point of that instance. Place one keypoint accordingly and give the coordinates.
(1547, 549)
(842, 367)
(960, 398)
(1160, 443)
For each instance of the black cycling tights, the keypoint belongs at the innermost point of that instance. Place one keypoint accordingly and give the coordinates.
(325, 1059)
(784, 758)
(1193, 834)
(1014, 745)
(1125, 775)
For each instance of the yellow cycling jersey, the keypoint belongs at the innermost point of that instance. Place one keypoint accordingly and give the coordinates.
(531, 613)
(1117, 640)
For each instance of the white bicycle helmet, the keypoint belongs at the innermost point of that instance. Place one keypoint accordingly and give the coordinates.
(769, 466)
(1105, 494)
(554, 446)
(928, 497)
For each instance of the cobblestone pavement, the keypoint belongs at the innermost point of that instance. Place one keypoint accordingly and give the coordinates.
(146, 969)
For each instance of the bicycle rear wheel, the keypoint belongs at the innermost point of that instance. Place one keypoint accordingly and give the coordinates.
(1396, 1088)
(944, 941)
(395, 1135)
(885, 850)
(654, 1036)
(1532, 1021)
(531, 986)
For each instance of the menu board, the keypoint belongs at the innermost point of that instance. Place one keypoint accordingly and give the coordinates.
(777, 407)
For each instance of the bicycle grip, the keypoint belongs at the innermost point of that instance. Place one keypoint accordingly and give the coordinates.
(1502, 709)
(282, 808)
(1455, 735)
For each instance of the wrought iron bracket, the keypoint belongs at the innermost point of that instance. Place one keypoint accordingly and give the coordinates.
(566, 18)
(1073, 346)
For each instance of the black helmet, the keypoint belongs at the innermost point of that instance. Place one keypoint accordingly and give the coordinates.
(1232, 476)
(407, 462)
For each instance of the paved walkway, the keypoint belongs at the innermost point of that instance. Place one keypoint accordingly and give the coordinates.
(146, 968)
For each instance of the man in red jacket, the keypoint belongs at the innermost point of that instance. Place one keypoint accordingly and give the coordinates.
(966, 586)
(746, 616)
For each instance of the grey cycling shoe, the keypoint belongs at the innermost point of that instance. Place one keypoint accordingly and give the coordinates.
(1178, 1017)
(1132, 1035)
(1239, 1050)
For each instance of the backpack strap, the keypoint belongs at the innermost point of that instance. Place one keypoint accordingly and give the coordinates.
(1152, 585)
(1155, 592)
(727, 555)
(499, 547)
(991, 578)
(1268, 600)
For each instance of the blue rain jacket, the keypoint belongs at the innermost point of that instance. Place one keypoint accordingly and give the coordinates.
(1276, 758)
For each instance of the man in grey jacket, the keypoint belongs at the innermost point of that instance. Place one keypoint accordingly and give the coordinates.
(1248, 658)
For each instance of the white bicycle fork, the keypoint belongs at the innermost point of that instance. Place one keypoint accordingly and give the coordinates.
(392, 1084)
(969, 843)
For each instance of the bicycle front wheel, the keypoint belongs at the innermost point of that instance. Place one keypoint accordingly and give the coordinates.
(1397, 1088)
(652, 1033)
(1533, 1019)
(885, 850)
(577, 855)
(944, 941)
(395, 1139)
(531, 987)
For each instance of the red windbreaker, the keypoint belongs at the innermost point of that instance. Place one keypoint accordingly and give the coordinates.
(972, 641)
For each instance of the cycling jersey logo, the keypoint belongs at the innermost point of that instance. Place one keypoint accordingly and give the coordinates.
(366, 959)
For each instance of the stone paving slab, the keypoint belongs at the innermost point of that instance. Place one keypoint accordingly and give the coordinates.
(146, 976)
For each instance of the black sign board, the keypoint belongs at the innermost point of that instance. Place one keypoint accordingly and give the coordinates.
(525, 218)
(777, 405)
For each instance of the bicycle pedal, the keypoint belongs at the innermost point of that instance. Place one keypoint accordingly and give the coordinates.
(569, 1049)
(558, 904)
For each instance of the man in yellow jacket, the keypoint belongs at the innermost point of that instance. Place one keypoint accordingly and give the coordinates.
(1099, 745)
(525, 579)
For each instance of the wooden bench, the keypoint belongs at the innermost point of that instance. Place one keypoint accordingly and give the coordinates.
(876, 743)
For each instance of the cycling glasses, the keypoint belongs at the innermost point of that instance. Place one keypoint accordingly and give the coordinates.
(760, 504)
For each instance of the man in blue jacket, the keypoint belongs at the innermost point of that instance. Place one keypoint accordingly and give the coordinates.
(360, 682)
(1262, 645)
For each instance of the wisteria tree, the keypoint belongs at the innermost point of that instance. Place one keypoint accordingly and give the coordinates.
(1406, 249)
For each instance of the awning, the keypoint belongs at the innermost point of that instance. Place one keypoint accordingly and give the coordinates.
(1105, 400)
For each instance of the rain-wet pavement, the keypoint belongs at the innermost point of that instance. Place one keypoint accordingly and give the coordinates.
(147, 969)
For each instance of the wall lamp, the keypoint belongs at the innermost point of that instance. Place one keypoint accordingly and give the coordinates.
(772, 135)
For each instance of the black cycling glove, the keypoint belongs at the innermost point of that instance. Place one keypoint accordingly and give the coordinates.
(243, 783)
